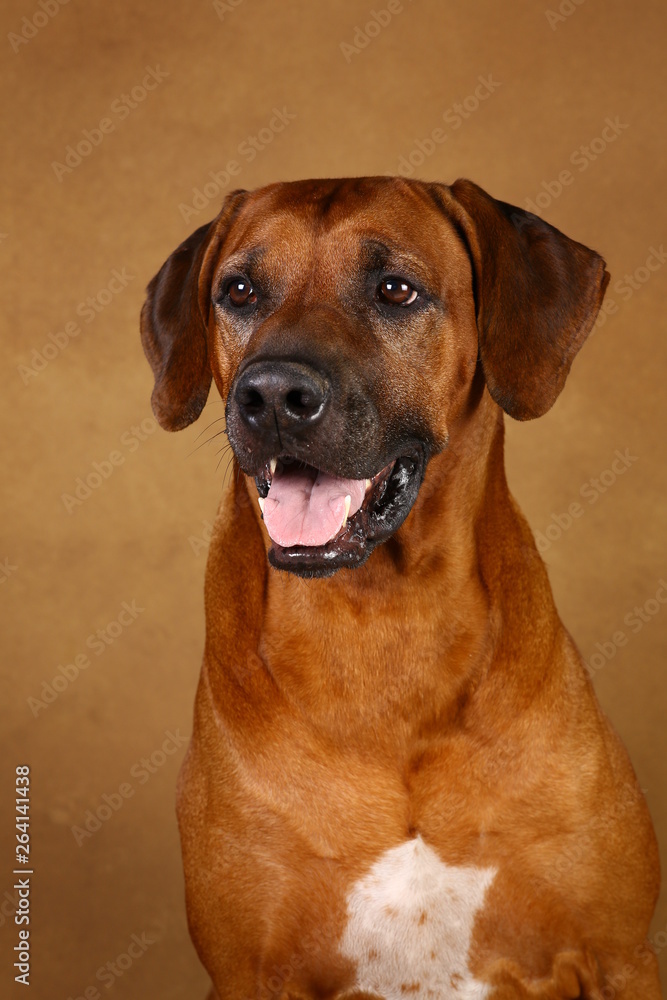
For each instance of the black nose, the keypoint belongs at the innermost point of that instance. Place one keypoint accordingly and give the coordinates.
(283, 392)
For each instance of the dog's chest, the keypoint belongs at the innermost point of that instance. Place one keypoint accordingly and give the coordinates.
(410, 923)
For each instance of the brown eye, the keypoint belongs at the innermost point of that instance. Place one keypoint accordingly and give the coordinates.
(241, 292)
(397, 292)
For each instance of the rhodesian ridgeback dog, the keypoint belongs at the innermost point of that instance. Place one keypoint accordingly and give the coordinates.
(400, 783)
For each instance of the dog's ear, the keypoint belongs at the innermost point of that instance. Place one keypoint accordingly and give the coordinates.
(174, 322)
(537, 294)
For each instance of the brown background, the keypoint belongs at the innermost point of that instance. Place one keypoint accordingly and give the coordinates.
(132, 538)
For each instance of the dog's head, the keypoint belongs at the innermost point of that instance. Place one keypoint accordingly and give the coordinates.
(343, 322)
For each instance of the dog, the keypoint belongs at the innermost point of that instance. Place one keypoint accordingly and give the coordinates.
(400, 784)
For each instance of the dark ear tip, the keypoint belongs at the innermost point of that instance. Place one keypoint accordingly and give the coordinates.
(606, 278)
(174, 417)
(517, 408)
(600, 278)
(167, 421)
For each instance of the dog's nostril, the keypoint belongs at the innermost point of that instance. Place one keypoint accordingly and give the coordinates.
(252, 400)
(279, 393)
(300, 401)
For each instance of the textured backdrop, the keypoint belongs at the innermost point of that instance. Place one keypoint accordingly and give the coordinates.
(125, 125)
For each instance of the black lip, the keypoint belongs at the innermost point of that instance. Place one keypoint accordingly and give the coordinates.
(388, 504)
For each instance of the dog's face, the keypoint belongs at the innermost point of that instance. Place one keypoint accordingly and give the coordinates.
(343, 322)
(340, 346)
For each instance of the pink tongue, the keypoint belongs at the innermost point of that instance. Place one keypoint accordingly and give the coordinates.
(307, 507)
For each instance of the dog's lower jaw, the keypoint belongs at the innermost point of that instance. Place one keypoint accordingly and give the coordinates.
(387, 505)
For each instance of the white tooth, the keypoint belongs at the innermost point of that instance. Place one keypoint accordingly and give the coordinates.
(272, 465)
(348, 501)
(368, 485)
(260, 501)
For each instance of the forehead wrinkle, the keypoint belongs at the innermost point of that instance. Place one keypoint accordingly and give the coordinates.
(270, 228)
(246, 259)
(306, 254)
(369, 251)
(380, 253)
(417, 240)
(308, 247)
(278, 244)
(403, 229)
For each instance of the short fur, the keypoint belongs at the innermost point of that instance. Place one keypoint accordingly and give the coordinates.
(432, 694)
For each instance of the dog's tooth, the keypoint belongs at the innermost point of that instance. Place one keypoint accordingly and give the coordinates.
(260, 501)
(348, 501)
(272, 465)
(368, 485)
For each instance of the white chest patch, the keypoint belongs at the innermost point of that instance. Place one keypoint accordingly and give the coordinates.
(410, 921)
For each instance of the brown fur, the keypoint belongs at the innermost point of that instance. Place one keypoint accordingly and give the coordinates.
(433, 689)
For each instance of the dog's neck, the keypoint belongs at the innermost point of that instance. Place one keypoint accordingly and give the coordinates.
(444, 578)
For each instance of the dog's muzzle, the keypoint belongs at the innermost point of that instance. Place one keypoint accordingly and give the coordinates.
(327, 496)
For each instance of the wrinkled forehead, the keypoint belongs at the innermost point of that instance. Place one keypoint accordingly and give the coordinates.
(372, 224)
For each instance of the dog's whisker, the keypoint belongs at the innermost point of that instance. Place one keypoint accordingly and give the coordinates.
(229, 465)
(208, 427)
(208, 441)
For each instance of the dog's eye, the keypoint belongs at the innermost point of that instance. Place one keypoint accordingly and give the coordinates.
(241, 292)
(397, 292)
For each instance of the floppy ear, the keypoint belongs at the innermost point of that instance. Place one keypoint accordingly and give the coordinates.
(537, 294)
(174, 323)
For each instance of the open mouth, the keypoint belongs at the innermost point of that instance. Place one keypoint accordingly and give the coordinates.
(319, 522)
